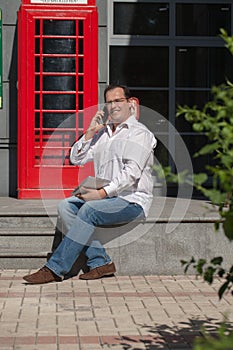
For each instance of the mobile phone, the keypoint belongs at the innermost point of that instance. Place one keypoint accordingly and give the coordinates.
(105, 116)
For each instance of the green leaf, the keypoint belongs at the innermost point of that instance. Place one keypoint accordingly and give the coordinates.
(221, 272)
(223, 289)
(209, 274)
(216, 225)
(217, 260)
(207, 149)
(228, 225)
(183, 262)
(199, 179)
(200, 264)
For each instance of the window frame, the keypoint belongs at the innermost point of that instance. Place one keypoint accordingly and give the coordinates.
(172, 42)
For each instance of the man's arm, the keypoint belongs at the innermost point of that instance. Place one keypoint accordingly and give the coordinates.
(80, 152)
(95, 125)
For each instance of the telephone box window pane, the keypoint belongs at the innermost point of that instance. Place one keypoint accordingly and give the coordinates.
(202, 19)
(189, 98)
(37, 46)
(202, 66)
(58, 102)
(61, 120)
(37, 64)
(37, 83)
(80, 46)
(80, 102)
(37, 101)
(136, 65)
(80, 65)
(58, 27)
(58, 64)
(80, 120)
(37, 120)
(80, 83)
(60, 46)
(59, 83)
(141, 18)
(80, 28)
(37, 27)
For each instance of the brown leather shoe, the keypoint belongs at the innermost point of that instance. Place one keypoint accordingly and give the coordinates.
(98, 272)
(44, 275)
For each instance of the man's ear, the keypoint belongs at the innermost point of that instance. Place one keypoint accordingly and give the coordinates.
(134, 106)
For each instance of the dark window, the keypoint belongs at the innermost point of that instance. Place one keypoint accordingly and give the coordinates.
(62, 101)
(191, 99)
(154, 109)
(202, 19)
(58, 27)
(139, 66)
(202, 66)
(59, 83)
(62, 46)
(58, 64)
(55, 120)
(141, 18)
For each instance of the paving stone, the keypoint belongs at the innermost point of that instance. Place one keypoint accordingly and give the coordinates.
(164, 312)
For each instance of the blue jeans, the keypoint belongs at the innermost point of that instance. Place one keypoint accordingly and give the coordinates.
(79, 220)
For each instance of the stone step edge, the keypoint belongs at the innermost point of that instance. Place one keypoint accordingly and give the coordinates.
(195, 219)
(27, 214)
(26, 232)
(23, 254)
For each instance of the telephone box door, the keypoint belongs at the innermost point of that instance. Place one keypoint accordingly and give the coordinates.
(57, 96)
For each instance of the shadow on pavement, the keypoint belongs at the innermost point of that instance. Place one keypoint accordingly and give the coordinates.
(167, 337)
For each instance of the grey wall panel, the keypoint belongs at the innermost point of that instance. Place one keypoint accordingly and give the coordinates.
(103, 59)
(9, 52)
(9, 10)
(4, 172)
(4, 113)
(102, 86)
(102, 10)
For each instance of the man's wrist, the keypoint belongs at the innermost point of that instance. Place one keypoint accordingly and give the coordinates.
(89, 134)
(102, 193)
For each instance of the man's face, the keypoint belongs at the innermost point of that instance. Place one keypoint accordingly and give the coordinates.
(118, 106)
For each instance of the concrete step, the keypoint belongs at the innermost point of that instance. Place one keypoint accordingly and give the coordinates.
(173, 231)
(25, 221)
(24, 246)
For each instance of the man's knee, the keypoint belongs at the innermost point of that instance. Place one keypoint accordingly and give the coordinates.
(90, 213)
(62, 206)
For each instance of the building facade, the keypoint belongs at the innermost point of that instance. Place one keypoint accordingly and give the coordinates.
(168, 52)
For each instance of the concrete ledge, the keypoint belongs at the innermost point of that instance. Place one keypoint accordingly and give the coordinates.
(175, 229)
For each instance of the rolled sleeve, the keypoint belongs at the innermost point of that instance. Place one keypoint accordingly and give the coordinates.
(111, 190)
(79, 151)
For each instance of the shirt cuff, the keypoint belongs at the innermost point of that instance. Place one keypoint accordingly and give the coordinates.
(111, 190)
(83, 144)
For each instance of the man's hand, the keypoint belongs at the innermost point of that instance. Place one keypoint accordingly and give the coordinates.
(95, 125)
(88, 194)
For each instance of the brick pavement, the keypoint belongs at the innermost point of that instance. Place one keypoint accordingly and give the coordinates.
(121, 312)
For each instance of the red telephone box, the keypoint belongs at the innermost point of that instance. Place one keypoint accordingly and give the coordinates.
(57, 92)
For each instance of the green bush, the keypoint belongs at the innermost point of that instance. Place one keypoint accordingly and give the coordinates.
(215, 121)
(223, 340)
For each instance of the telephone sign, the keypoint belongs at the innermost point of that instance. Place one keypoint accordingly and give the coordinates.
(57, 84)
(70, 2)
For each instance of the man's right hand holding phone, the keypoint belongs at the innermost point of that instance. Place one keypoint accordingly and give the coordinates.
(96, 124)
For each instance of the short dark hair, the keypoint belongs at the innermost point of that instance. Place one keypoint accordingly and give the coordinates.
(126, 90)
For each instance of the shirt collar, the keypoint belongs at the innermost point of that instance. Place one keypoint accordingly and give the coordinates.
(126, 124)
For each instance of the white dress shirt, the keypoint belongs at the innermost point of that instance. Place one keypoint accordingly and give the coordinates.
(124, 157)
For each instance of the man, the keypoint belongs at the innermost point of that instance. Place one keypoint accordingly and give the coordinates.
(122, 152)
